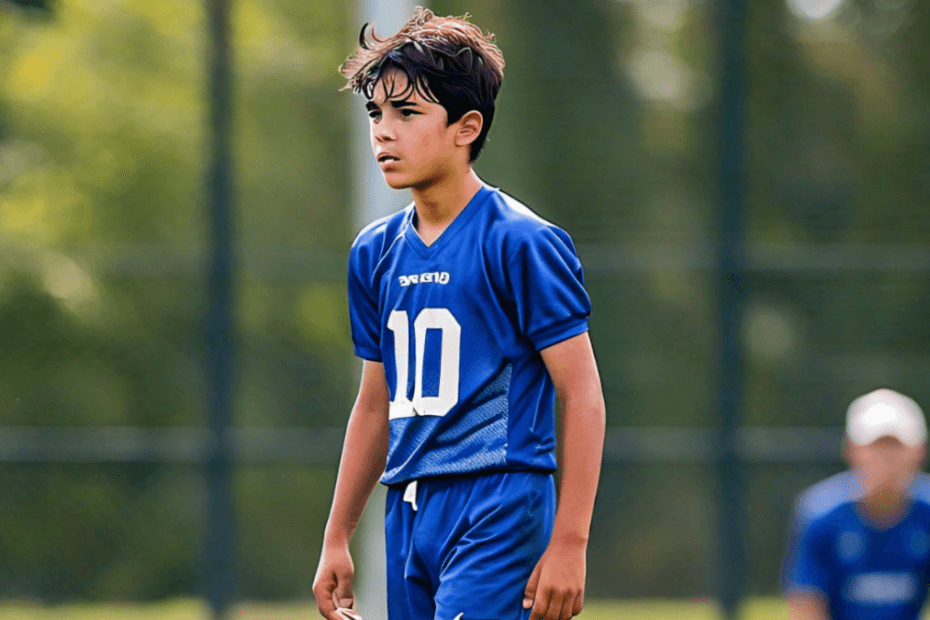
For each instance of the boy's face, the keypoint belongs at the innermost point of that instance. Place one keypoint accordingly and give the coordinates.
(410, 136)
(886, 467)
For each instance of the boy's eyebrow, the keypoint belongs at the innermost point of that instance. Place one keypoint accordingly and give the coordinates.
(397, 103)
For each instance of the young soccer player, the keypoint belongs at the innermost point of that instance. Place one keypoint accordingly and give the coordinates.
(471, 317)
(861, 545)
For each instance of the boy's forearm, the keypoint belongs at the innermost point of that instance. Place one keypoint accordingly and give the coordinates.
(364, 454)
(581, 449)
(808, 607)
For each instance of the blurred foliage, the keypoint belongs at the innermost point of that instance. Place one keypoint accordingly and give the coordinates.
(607, 125)
(44, 6)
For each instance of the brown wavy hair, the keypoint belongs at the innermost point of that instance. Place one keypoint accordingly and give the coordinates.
(448, 60)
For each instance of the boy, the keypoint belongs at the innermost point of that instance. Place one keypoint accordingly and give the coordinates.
(861, 545)
(470, 315)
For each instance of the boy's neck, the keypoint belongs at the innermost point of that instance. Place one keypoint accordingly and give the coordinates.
(884, 510)
(441, 202)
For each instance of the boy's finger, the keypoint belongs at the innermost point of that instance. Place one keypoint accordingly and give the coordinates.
(323, 591)
(529, 593)
(579, 604)
(540, 606)
(343, 594)
(554, 610)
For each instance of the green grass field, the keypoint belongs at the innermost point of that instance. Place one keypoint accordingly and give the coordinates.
(758, 609)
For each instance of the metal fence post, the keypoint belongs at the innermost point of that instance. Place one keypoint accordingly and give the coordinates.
(731, 292)
(219, 528)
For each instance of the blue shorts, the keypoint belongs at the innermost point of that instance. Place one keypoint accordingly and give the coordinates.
(463, 547)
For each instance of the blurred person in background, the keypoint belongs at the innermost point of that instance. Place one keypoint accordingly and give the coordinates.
(471, 317)
(860, 549)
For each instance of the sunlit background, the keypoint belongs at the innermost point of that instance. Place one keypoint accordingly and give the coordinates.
(608, 124)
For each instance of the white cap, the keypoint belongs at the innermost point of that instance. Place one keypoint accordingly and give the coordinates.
(884, 413)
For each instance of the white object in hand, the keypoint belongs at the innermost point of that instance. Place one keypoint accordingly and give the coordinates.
(348, 614)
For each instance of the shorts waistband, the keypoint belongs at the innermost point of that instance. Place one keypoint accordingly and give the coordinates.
(453, 478)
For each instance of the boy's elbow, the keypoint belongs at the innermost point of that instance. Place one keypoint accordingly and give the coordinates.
(594, 396)
(597, 411)
(600, 417)
(587, 404)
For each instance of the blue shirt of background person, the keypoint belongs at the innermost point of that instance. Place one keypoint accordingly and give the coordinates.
(860, 548)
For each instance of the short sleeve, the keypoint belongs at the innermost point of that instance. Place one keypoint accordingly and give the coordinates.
(363, 307)
(806, 564)
(552, 304)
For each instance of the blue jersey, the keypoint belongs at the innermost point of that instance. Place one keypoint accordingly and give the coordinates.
(865, 573)
(458, 326)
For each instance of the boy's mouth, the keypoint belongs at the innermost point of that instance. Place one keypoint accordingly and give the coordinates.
(387, 157)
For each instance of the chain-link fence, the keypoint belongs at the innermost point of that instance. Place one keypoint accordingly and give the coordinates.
(608, 124)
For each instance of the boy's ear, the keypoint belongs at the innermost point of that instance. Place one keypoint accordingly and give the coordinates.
(469, 126)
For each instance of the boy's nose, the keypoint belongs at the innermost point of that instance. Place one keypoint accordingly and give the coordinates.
(383, 133)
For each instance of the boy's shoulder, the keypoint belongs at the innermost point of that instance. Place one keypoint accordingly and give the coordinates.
(821, 502)
(515, 222)
(376, 237)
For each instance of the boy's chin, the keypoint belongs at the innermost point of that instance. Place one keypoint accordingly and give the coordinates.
(401, 181)
(397, 182)
(887, 489)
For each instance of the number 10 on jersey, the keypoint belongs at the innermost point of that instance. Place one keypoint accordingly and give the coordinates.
(428, 318)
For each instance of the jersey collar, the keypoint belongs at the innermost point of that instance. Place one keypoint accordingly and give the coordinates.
(473, 206)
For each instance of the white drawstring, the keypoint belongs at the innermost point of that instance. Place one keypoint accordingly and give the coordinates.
(410, 494)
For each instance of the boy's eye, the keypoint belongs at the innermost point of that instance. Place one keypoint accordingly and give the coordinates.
(374, 113)
(408, 112)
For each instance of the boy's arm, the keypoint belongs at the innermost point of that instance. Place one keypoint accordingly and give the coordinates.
(364, 454)
(806, 574)
(807, 605)
(557, 582)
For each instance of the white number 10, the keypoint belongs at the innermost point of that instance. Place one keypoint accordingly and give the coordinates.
(429, 318)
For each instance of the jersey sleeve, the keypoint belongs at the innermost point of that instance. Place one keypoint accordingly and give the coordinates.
(806, 564)
(363, 306)
(547, 280)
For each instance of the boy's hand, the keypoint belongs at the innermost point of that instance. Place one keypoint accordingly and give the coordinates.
(555, 590)
(332, 586)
